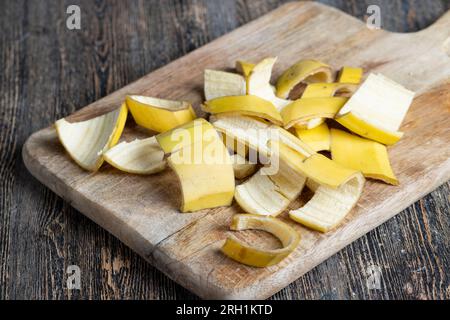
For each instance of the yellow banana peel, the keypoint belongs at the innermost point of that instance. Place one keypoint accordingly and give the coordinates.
(316, 167)
(185, 135)
(205, 172)
(256, 257)
(300, 111)
(87, 141)
(141, 156)
(377, 109)
(328, 207)
(367, 156)
(317, 138)
(242, 167)
(245, 105)
(258, 83)
(159, 114)
(266, 193)
(350, 75)
(307, 71)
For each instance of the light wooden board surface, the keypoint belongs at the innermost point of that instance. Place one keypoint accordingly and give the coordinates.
(142, 211)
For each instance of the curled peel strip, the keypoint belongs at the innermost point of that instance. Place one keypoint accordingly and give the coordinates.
(87, 141)
(328, 207)
(307, 71)
(159, 114)
(269, 194)
(141, 156)
(245, 105)
(256, 257)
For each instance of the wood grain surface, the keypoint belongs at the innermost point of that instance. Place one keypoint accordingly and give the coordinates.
(41, 235)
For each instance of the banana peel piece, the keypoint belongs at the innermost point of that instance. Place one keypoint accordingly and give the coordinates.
(205, 172)
(246, 105)
(258, 83)
(269, 194)
(245, 68)
(317, 138)
(350, 75)
(377, 109)
(185, 135)
(256, 257)
(141, 156)
(307, 71)
(328, 207)
(221, 84)
(159, 114)
(299, 112)
(87, 141)
(323, 90)
(367, 156)
(316, 167)
(256, 134)
(242, 167)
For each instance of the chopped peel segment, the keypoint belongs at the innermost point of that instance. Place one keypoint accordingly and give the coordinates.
(269, 194)
(242, 167)
(317, 138)
(185, 135)
(141, 156)
(369, 157)
(87, 141)
(256, 257)
(307, 71)
(350, 75)
(205, 172)
(328, 207)
(258, 83)
(245, 105)
(377, 109)
(300, 111)
(316, 167)
(221, 84)
(159, 114)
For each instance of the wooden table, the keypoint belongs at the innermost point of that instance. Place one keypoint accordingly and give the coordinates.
(49, 71)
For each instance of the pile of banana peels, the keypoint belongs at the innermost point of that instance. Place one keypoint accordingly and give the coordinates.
(262, 145)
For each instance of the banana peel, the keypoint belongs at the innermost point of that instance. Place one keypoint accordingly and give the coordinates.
(245, 105)
(242, 167)
(317, 138)
(299, 112)
(269, 194)
(205, 172)
(307, 71)
(87, 141)
(256, 257)
(377, 109)
(258, 83)
(185, 135)
(328, 207)
(159, 114)
(141, 156)
(220, 84)
(316, 167)
(350, 75)
(367, 156)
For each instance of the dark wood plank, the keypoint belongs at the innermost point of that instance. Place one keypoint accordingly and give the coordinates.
(50, 71)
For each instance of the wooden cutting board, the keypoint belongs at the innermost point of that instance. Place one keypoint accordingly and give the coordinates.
(142, 211)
